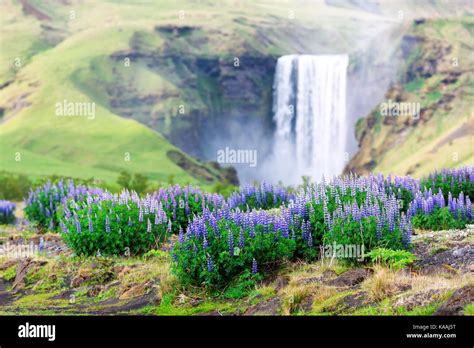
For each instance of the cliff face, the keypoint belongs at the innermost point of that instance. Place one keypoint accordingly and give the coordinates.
(436, 77)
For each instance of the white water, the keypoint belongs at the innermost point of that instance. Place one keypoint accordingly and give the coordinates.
(309, 111)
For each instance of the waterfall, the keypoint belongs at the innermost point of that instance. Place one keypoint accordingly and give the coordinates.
(309, 111)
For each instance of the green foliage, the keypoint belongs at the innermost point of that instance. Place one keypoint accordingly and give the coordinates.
(448, 183)
(349, 231)
(224, 188)
(107, 228)
(10, 273)
(42, 205)
(136, 182)
(139, 183)
(363, 232)
(124, 179)
(244, 284)
(153, 253)
(192, 258)
(14, 187)
(469, 309)
(395, 259)
(440, 219)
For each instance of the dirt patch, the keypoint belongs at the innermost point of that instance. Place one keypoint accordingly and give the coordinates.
(419, 299)
(354, 301)
(152, 298)
(6, 297)
(327, 276)
(350, 278)
(269, 307)
(443, 251)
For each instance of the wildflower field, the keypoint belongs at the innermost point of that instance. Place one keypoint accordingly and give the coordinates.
(254, 230)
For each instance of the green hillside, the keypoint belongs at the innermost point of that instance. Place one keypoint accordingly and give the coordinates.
(438, 75)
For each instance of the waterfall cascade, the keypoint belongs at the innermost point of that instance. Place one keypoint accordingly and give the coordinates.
(309, 111)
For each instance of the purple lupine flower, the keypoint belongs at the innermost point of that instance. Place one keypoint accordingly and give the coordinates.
(241, 239)
(205, 244)
(148, 225)
(41, 244)
(254, 267)
(210, 265)
(379, 228)
(63, 227)
(107, 224)
(90, 226)
(230, 242)
(468, 208)
(78, 225)
(252, 229)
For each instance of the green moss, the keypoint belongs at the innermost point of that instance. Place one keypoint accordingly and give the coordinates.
(106, 295)
(414, 85)
(331, 305)
(378, 122)
(469, 309)
(40, 300)
(9, 274)
(425, 310)
(434, 96)
(438, 249)
(170, 309)
(382, 308)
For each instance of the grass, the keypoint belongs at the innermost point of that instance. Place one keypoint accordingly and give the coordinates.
(384, 283)
(414, 85)
(469, 309)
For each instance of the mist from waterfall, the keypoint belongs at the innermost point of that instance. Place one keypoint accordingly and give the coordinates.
(309, 111)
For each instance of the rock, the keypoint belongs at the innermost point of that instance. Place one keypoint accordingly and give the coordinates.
(269, 307)
(95, 290)
(419, 299)
(281, 282)
(461, 251)
(82, 275)
(350, 278)
(112, 284)
(134, 291)
(22, 269)
(455, 304)
(122, 270)
(8, 264)
(437, 269)
(354, 301)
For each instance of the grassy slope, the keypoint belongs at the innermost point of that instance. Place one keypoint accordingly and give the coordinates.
(86, 147)
(446, 137)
